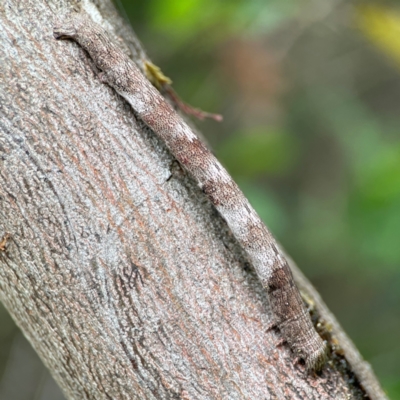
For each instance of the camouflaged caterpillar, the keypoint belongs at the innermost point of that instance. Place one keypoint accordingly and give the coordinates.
(120, 72)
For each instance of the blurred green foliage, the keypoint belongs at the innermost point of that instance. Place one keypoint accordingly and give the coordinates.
(311, 136)
(260, 151)
(181, 21)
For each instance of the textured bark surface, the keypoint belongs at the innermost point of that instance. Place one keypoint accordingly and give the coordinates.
(118, 270)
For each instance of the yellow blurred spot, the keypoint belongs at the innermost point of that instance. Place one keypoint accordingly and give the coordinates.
(155, 75)
(381, 25)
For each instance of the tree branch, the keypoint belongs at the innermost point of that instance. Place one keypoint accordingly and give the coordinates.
(117, 269)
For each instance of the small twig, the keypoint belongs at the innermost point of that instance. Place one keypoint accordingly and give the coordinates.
(188, 109)
(163, 83)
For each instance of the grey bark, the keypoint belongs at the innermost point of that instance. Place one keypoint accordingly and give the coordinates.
(119, 272)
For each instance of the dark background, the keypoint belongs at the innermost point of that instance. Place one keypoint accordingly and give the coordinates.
(310, 94)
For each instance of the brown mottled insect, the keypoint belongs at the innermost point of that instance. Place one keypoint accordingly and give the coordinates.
(118, 71)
